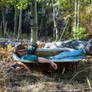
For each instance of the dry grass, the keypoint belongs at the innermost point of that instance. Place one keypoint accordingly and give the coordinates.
(79, 80)
(23, 81)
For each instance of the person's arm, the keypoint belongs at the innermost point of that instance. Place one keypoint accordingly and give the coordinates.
(20, 63)
(43, 60)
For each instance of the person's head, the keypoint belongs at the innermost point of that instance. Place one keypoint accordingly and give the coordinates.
(20, 50)
(24, 44)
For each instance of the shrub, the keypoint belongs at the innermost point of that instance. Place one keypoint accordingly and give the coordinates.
(79, 33)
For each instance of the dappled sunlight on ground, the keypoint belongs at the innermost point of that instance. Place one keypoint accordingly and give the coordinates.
(22, 81)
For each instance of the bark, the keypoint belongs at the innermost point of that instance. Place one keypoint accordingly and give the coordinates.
(4, 22)
(78, 22)
(78, 25)
(70, 27)
(20, 23)
(75, 17)
(15, 20)
(43, 21)
(34, 21)
(75, 13)
(63, 31)
(46, 52)
(55, 30)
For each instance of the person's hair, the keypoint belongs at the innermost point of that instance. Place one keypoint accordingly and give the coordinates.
(20, 48)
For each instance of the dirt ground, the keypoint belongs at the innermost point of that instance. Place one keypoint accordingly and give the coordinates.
(78, 80)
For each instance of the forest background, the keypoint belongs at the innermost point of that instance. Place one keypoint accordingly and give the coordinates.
(46, 19)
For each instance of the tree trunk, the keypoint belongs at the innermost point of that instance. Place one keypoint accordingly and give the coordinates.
(63, 33)
(70, 27)
(78, 17)
(4, 23)
(15, 20)
(75, 13)
(55, 31)
(43, 22)
(78, 25)
(46, 52)
(75, 18)
(20, 23)
(34, 21)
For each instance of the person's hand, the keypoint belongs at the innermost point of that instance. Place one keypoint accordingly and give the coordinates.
(24, 66)
(54, 65)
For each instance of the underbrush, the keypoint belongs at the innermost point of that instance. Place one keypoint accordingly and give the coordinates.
(22, 81)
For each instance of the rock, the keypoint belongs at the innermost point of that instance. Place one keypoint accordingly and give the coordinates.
(75, 44)
(89, 47)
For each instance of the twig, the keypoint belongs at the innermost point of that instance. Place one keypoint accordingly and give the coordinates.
(79, 73)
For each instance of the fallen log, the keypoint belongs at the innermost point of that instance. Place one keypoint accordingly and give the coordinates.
(66, 64)
(46, 52)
